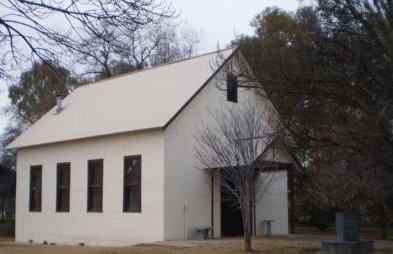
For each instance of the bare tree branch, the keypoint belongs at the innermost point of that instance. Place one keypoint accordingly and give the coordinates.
(25, 29)
(238, 147)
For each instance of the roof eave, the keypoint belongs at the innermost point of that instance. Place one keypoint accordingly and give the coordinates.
(85, 138)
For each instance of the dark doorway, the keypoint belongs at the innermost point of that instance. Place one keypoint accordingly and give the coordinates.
(231, 217)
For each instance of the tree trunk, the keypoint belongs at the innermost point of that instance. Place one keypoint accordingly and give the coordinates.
(247, 242)
(246, 228)
(248, 214)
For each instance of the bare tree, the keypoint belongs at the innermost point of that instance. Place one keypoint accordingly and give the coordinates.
(156, 44)
(337, 171)
(173, 43)
(26, 34)
(113, 53)
(239, 146)
(100, 48)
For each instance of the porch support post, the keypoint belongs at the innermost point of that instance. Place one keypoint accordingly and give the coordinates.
(212, 201)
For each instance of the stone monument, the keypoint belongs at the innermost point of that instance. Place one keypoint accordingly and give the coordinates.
(347, 236)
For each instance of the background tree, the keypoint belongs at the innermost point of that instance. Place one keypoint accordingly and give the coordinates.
(354, 182)
(235, 146)
(328, 70)
(7, 195)
(8, 156)
(101, 54)
(169, 43)
(36, 91)
(157, 43)
(25, 33)
(31, 98)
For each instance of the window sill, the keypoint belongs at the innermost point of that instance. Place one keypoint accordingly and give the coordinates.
(132, 211)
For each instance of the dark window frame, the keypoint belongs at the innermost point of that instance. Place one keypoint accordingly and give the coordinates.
(35, 203)
(232, 87)
(96, 186)
(127, 207)
(63, 187)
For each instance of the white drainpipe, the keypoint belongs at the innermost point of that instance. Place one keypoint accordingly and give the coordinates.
(186, 220)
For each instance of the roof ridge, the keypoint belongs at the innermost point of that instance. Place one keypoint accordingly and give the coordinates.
(155, 67)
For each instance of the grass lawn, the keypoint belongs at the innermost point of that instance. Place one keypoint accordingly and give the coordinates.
(374, 232)
(366, 232)
(267, 246)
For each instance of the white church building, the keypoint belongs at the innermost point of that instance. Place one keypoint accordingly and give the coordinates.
(116, 164)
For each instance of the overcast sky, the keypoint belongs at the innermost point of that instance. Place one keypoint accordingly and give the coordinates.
(220, 20)
(217, 21)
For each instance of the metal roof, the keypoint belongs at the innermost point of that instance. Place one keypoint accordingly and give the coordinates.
(139, 100)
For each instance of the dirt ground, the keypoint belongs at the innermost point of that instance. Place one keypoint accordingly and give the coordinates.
(266, 245)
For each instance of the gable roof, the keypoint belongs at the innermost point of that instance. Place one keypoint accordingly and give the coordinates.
(139, 100)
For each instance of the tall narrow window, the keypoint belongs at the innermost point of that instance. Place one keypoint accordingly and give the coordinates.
(132, 184)
(35, 188)
(232, 85)
(63, 187)
(94, 185)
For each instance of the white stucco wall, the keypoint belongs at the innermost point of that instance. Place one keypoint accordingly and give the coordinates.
(112, 226)
(185, 182)
(273, 205)
(176, 194)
